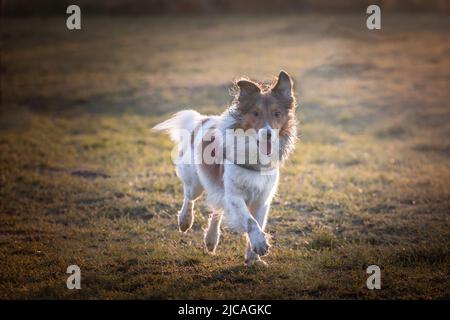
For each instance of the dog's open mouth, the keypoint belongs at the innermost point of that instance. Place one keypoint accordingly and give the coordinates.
(265, 147)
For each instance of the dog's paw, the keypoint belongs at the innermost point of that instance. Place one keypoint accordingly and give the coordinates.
(259, 243)
(185, 222)
(210, 244)
(256, 263)
(210, 247)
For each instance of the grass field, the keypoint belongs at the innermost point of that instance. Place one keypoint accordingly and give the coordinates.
(84, 181)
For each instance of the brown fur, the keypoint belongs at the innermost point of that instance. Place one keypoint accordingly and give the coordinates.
(197, 129)
(275, 104)
(268, 102)
(272, 107)
(214, 171)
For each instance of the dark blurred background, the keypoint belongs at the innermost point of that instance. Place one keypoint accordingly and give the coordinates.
(83, 179)
(44, 7)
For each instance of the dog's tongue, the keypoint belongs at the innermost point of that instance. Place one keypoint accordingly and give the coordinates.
(266, 147)
(269, 147)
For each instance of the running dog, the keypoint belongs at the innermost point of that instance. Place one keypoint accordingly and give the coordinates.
(239, 185)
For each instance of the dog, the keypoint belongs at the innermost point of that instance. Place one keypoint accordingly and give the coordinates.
(241, 192)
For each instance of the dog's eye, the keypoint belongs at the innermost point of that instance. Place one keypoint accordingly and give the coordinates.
(277, 114)
(255, 113)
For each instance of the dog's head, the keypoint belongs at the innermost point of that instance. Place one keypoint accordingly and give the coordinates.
(266, 108)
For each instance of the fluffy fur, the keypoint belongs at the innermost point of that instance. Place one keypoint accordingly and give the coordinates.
(238, 192)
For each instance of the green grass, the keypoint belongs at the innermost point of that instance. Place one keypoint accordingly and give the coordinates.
(84, 181)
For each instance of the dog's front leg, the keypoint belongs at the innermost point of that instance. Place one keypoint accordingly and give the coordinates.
(243, 221)
(260, 214)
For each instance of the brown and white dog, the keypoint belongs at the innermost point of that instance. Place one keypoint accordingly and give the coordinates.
(240, 179)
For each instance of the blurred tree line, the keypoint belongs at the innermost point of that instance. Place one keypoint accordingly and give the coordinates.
(43, 7)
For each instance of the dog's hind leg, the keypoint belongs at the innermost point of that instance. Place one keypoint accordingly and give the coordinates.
(212, 233)
(192, 190)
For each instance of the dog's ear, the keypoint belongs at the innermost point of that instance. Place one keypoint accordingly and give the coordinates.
(247, 89)
(284, 86)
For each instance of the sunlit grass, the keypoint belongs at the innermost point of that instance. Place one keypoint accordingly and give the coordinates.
(84, 181)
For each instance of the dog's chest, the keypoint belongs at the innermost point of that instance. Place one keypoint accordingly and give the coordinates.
(253, 185)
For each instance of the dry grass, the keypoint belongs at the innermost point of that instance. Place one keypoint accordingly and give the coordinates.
(84, 181)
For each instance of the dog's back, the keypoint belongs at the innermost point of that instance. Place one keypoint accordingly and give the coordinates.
(182, 122)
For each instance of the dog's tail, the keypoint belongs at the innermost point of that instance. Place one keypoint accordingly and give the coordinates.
(181, 123)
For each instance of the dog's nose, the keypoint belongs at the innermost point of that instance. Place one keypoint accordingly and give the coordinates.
(269, 134)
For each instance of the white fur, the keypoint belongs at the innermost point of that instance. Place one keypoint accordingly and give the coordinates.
(243, 197)
(183, 120)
